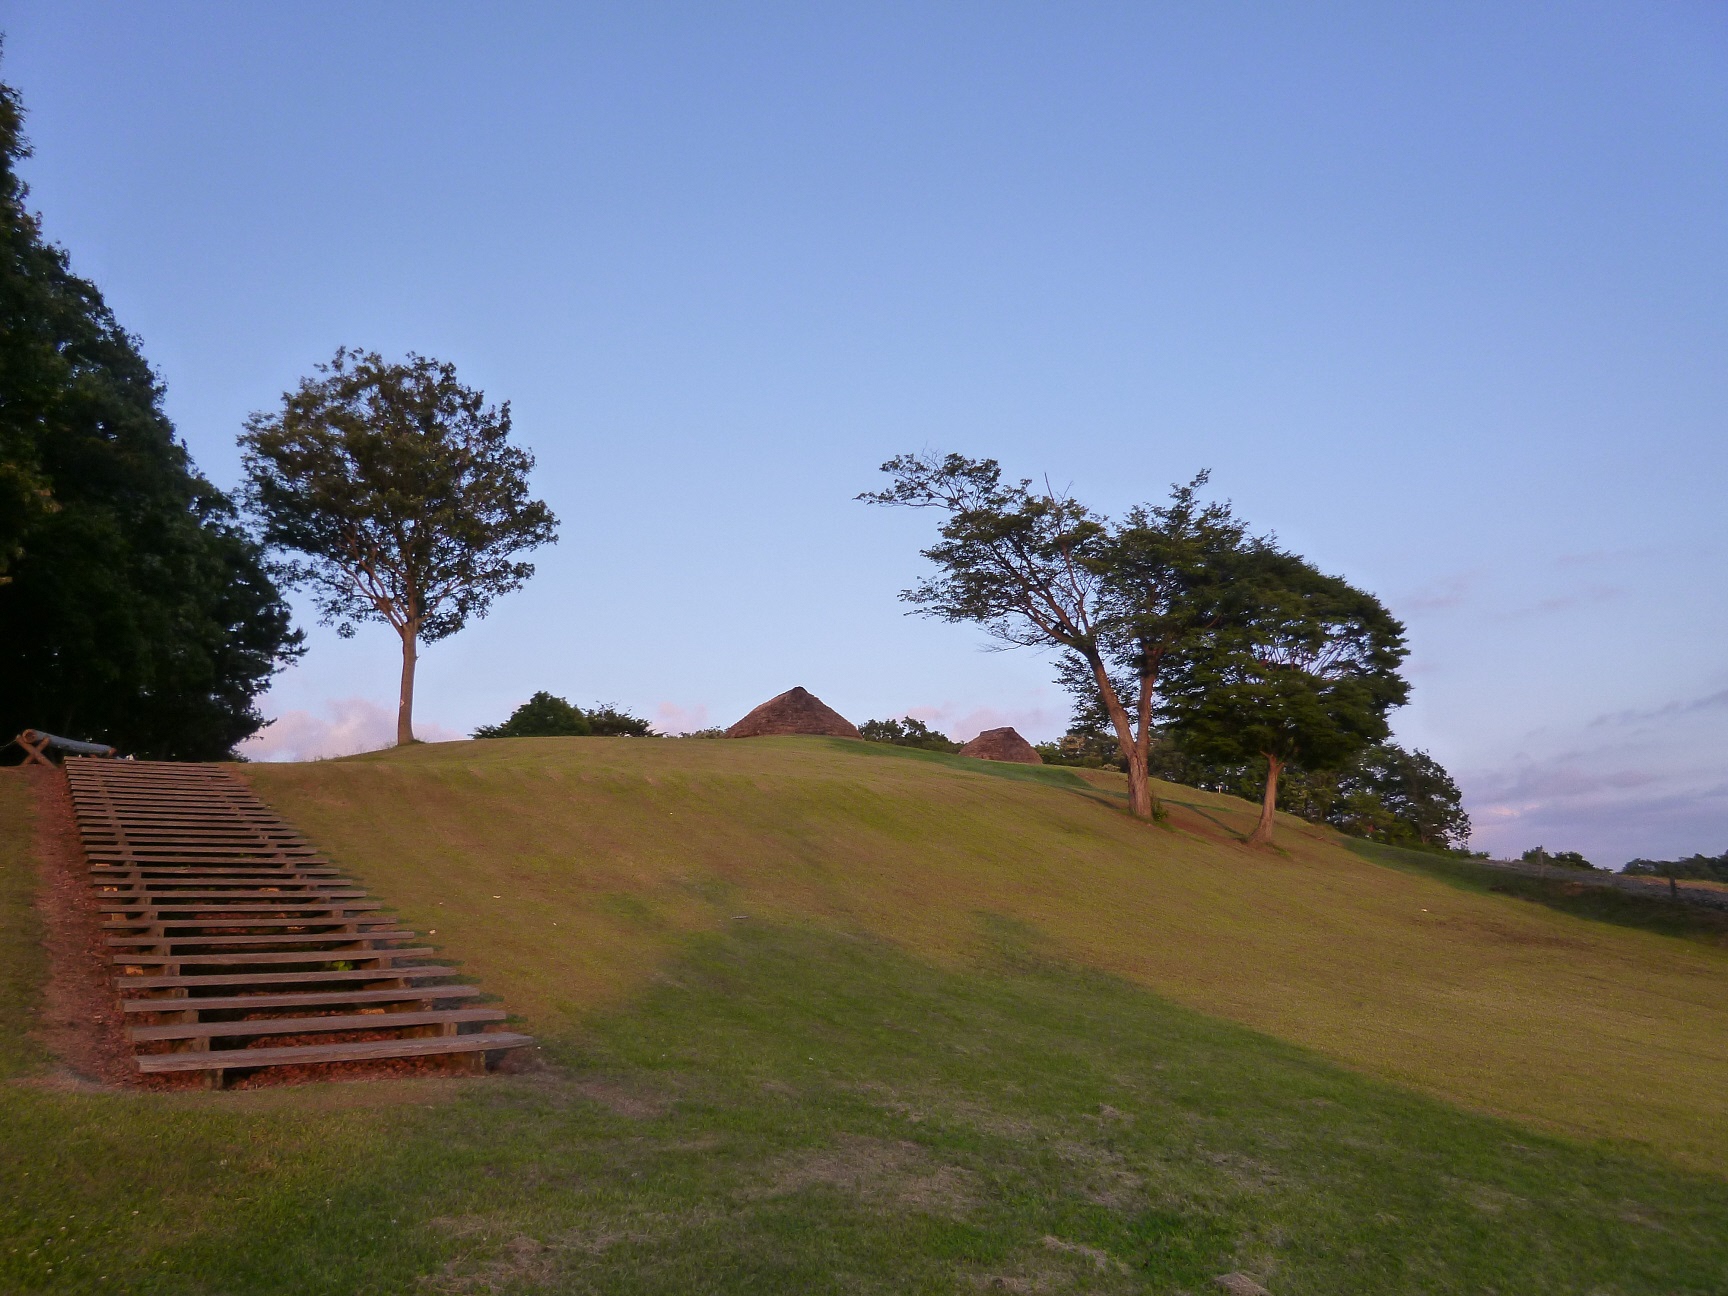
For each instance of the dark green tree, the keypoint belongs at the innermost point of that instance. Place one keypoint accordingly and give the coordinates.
(402, 493)
(541, 716)
(1408, 795)
(135, 609)
(546, 716)
(1305, 672)
(608, 721)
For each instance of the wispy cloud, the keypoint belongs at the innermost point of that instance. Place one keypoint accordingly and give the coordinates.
(1589, 596)
(1445, 592)
(349, 726)
(1671, 711)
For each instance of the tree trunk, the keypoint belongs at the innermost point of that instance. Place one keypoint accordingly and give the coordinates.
(405, 707)
(1262, 834)
(1141, 803)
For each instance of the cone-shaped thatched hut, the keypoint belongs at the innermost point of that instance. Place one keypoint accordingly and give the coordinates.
(796, 711)
(1002, 745)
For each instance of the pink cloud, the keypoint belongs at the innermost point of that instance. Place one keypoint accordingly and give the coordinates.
(1035, 724)
(349, 726)
(670, 718)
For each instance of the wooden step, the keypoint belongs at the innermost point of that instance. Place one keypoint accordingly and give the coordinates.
(263, 871)
(306, 999)
(278, 938)
(225, 922)
(255, 960)
(235, 902)
(313, 1025)
(359, 1051)
(107, 899)
(166, 981)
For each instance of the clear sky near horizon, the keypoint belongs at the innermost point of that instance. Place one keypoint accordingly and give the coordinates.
(1439, 293)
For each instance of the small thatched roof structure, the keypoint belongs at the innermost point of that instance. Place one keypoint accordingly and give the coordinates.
(1002, 745)
(796, 711)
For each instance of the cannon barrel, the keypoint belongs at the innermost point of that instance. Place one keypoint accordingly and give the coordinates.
(37, 739)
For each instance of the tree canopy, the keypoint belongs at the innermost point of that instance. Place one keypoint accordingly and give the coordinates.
(1306, 673)
(403, 495)
(546, 716)
(135, 608)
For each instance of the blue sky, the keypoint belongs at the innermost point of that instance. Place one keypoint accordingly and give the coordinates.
(1439, 293)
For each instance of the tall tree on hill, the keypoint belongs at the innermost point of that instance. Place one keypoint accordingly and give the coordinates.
(1041, 570)
(134, 607)
(402, 491)
(1306, 673)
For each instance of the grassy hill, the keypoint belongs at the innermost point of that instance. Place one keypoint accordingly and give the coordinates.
(823, 1016)
(565, 872)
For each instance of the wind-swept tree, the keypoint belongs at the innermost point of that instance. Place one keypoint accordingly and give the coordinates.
(1305, 672)
(402, 491)
(1040, 570)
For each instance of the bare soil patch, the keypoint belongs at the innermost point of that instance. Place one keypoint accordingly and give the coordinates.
(901, 1173)
(80, 1023)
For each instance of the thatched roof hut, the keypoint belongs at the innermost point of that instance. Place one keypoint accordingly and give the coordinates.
(1002, 745)
(796, 711)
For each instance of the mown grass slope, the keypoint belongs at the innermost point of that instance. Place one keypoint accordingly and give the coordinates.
(795, 1103)
(565, 872)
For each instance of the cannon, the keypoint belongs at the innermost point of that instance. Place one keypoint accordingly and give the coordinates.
(37, 745)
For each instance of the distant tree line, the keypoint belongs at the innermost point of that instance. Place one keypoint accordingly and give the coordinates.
(1702, 868)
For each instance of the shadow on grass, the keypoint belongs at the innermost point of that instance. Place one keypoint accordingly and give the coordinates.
(1056, 776)
(1580, 899)
(791, 1110)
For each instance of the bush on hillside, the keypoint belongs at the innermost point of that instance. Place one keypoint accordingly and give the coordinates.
(546, 716)
(906, 733)
(1556, 859)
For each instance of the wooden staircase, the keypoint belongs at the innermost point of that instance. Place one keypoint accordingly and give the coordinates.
(237, 946)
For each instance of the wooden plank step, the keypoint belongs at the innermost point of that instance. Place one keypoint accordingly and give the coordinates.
(310, 1025)
(266, 938)
(252, 960)
(184, 913)
(359, 1051)
(221, 920)
(106, 899)
(171, 873)
(305, 999)
(417, 972)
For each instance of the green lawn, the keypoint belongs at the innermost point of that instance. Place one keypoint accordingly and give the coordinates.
(794, 1102)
